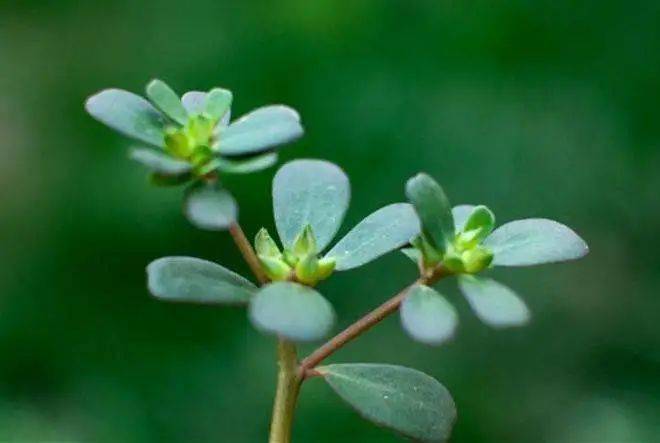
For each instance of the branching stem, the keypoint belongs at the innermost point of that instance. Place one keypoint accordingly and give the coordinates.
(291, 374)
(306, 368)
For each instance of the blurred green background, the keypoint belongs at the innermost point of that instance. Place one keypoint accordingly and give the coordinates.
(536, 108)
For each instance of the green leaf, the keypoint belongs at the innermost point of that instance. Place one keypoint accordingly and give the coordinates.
(380, 232)
(433, 209)
(495, 304)
(210, 207)
(188, 279)
(128, 114)
(260, 130)
(194, 102)
(167, 101)
(218, 102)
(160, 162)
(461, 214)
(292, 311)
(404, 400)
(247, 166)
(534, 241)
(480, 218)
(427, 316)
(310, 192)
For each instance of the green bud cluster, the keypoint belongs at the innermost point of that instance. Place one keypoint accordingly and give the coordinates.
(464, 253)
(192, 142)
(299, 263)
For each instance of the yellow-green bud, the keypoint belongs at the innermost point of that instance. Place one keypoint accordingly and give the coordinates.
(305, 243)
(307, 270)
(265, 245)
(326, 267)
(275, 268)
(477, 259)
(177, 143)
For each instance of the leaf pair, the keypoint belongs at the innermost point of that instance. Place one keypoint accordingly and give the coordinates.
(152, 123)
(518, 243)
(288, 309)
(425, 314)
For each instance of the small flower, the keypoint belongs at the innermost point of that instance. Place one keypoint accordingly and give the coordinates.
(193, 135)
(462, 240)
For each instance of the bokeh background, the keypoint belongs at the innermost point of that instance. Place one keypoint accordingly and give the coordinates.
(536, 108)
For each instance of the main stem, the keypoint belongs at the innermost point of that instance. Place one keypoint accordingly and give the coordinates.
(288, 377)
(286, 397)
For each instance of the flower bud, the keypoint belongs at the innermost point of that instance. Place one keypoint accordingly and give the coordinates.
(477, 259)
(305, 243)
(265, 245)
(275, 268)
(307, 270)
(326, 267)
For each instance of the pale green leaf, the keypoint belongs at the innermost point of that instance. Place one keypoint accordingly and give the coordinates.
(433, 209)
(128, 114)
(194, 101)
(494, 303)
(384, 230)
(260, 130)
(210, 207)
(310, 192)
(292, 311)
(218, 102)
(167, 101)
(188, 279)
(247, 166)
(404, 400)
(427, 316)
(534, 241)
(461, 214)
(160, 162)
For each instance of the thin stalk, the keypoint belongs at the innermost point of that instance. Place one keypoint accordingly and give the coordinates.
(288, 378)
(306, 368)
(247, 251)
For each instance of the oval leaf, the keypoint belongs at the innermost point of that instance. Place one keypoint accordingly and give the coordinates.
(188, 279)
(495, 304)
(260, 130)
(433, 209)
(427, 317)
(167, 101)
(461, 213)
(310, 192)
(210, 208)
(247, 166)
(382, 231)
(534, 241)
(160, 162)
(402, 399)
(292, 311)
(129, 114)
(218, 102)
(194, 101)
